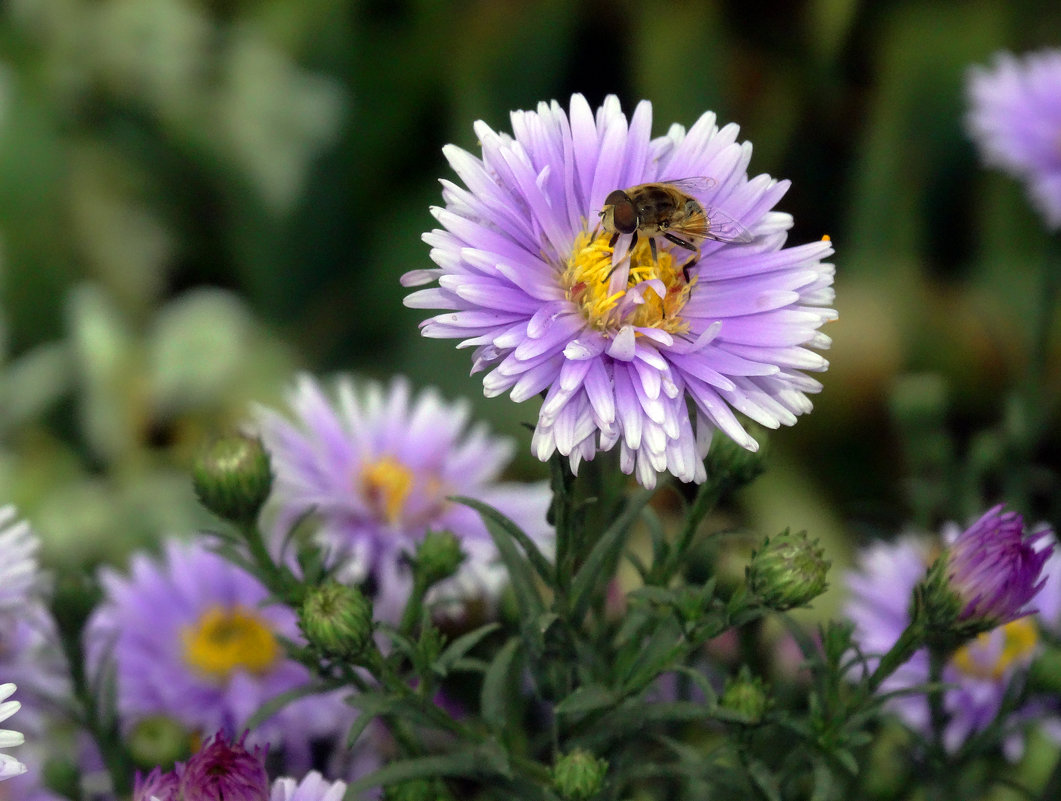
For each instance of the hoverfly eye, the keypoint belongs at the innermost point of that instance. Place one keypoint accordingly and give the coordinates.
(624, 214)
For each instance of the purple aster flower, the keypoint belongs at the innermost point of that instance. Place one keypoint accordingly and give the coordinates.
(377, 466)
(994, 569)
(188, 636)
(618, 336)
(313, 787)
(224, 771)
(156, 786)
(978, 674)
(9, 766)
(1015, 119)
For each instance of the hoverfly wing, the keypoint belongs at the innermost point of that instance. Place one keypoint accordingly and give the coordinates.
(723, 228)
(695, 186)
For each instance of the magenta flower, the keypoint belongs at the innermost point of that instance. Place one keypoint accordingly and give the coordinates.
(621, 338)
(226, 771)
(1015, 119)
(377, 466)
(994, 569)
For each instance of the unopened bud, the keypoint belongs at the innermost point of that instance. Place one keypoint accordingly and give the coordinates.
(746, 695)
(232, 478)
(438, 556)
(788, 571)
(578, 775)
(337, 620)
(158, 740)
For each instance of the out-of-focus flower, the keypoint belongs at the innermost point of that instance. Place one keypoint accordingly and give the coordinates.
(617, 335)
(1015, 119)
(313, 787)
(18, 567)
(224, 770)
(988, 574)
(9, 766)
(187, 636)
(156, 786)
(976, 676)
(377, 467)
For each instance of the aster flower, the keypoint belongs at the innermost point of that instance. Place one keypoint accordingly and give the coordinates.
(617, 337)
(377, 466)
(224, 770)
(156, 786)
(977, 675)
(1015, 119)
(9, 766)
(313, 787)
(188, 636)
(19, 576)
(994, 569)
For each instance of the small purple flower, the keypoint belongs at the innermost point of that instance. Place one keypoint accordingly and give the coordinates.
(224, 771)
(978, 674)
(189, 636)
(1015, 119)
(313, 787)
(994, 569)
(619, 336)
(156, 786)
(377, 466)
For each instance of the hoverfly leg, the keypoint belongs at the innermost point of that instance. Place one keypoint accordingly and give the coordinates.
(688, 264)
(613, 240)
(652, 247)
(677, 240)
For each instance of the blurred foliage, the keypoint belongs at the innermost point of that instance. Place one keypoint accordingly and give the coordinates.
(198, 195)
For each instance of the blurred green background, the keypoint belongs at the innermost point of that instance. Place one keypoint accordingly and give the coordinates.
(199, 196)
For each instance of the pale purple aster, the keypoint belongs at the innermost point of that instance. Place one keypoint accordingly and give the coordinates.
(313, 787)
(189, 636)
(9, 765)
(1015, 119)
(618, 344)
(978, 675)
(19, 574)
(376, 465)
(995, 569)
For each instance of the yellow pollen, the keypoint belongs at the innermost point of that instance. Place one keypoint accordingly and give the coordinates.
(977, 658)
(386, 484)
(826, 238)
(589, 272)
(225, 640)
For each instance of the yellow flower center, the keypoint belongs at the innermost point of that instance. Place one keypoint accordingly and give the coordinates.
(982, 659)
(225, 640)
(589, 282)
(386, 485)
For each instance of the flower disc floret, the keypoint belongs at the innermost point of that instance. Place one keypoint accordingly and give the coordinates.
(650, 353)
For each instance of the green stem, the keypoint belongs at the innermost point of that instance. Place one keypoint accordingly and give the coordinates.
(277, 579)
(912, 638)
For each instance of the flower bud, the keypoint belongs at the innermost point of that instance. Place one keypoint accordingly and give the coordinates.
(733, 464)
(788, 571)
(232, 478)
(225, 770)
(578, 775)
(746, 695)
(337, 620)
(985, 577)
(438, 556)
(158, 740)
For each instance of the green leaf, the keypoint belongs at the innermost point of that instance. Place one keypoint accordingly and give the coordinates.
(278, 702)
(604, 556)
(537, 559)
(503, 531)
(460, 646)
(587, 699)
(493, 699)
(479, 761)
(762, 778)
